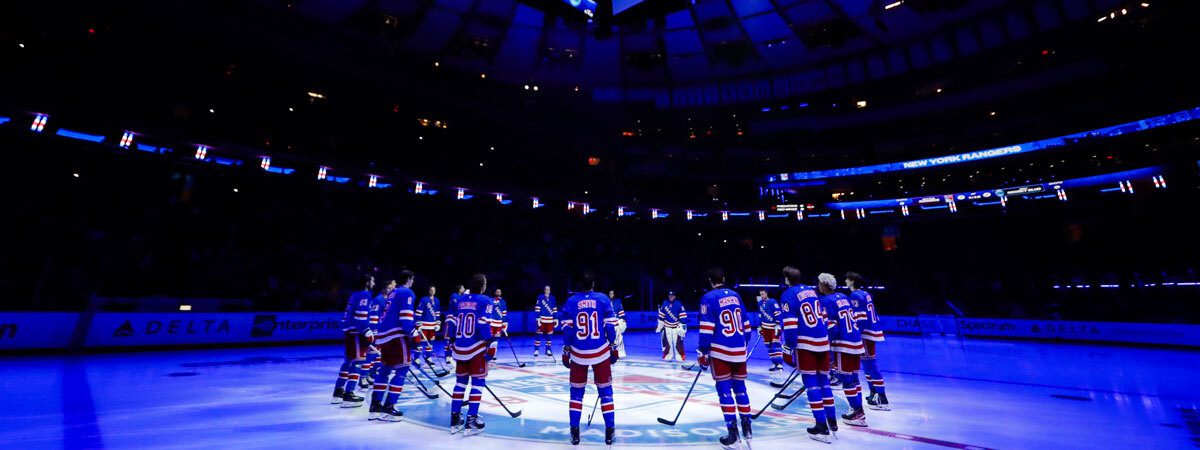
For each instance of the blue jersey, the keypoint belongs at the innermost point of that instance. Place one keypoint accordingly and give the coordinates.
(803, 319)
(672, 313)
(589, 327)
(375, 310)
(843, 334)
(499, 312)
(428, 313)
(397, 320)
(768, 313)
(864, 309)
(618, 309)
(724, 326)
(545, 309)
(470, 325)
(357, 311)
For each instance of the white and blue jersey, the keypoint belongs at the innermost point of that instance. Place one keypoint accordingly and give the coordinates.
(397, 318)
(499, 315)
(589, 327)
(868, 321)
(618, 309)
(356, 316)
(843, 334)
(428, 314)
(671, 313)
(724, 327)
(546, 309)
(470, 325)
(803, 319)
(768, 314)
(376, 309)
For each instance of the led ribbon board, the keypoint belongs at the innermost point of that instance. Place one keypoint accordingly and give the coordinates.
(797, 179)
(931, 202)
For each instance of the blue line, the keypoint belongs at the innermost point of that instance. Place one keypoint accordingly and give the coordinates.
(81, 136)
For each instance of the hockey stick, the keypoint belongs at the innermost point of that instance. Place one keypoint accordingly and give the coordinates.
(795, 374)
(789, 402)
(510, 413)
(514, 351)
(671, 423)
(421, 387)
(435, 382)
(594, 405)
(754, 345)
(443, 373)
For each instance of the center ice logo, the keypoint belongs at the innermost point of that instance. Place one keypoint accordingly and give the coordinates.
(643, 391)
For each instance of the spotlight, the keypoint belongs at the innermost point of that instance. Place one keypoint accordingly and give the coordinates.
(126, 140)
(39, 123)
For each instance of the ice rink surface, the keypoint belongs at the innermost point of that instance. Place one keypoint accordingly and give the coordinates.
(944, 393)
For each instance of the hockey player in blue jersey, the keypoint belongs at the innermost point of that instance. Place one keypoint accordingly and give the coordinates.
(396, 337)
(768, 328)
(589, 334)
(354, 327)
(376, 309)
(847, 345)
(545, 309)
(619, 311)
(724, 337)
(429, 323)
(499, 324)
(872, 335)
(472, 334)
(673, 318)
(447, 334)
(806, 347)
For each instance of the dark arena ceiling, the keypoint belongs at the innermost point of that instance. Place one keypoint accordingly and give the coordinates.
(665, 99)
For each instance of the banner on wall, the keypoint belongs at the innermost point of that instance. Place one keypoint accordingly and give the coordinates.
(153, 329)
(19, 330)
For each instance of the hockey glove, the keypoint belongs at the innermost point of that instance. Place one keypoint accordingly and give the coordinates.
(789, 357)
(566, 357)
(704, 360)
(613, 356)
(369, 337)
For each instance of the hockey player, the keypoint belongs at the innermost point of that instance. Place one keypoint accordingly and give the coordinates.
(395, 339)
(619, 311)
(448, 350)
(472, 333)
(673, 319)
(373, 356)
(354, 327)
(429, 322)
(768, 328)
(589, 334)
(724, 338)
(847, 345)
(872, 335)
(806, 346)
(499, 324)
(546, 311)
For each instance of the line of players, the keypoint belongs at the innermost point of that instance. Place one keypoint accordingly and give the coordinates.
(383, 336)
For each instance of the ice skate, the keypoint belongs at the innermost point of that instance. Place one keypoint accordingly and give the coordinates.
(878, 402)
(855, 418)
(390, 414)
(730, 440)
(574, 435)
(456, 423)
(820, 433)
(610, 434)
(337, 396)
(474, 426)
(349, 400)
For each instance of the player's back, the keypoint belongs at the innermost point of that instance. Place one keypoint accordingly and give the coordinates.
(724, 326)
(844, 336)
(357, 310)
(801, 313)
(471, 325)
(589, 327)
(396, 318)
(868, 321)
